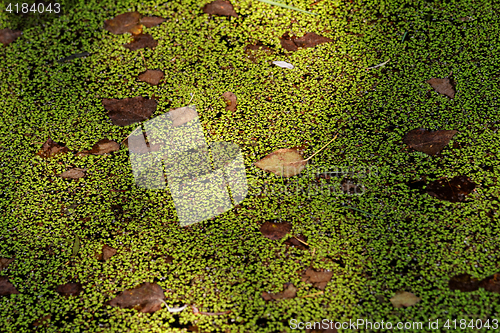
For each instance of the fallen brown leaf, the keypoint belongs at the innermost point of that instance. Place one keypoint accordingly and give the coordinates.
(230, 100)
(151, 21)
(127, 22)
(182, 115)
(317, 279)
(453, 190)
(147, 297)
(70, 289)
(289, 292)
(43, 321)
(256, 51)
(51, 148)
(220, 7)
(429, 142)
(107, 252)
(127, 111)
(8, 36)
(283, 162)
(4, 262)
(275, 231)
(463, 282)
(442, 86)
(153, 77)
(310, 39)
(74, 173)
(491, 283)
(404, 299)
(141, 41)
(7, 288)
(103, 146)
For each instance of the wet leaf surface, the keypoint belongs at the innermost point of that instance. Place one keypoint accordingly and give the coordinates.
(290, 291)
(127, 22)
(7, 288)
(429, 142)
(5, 262)
(69, 289)
(153, 77)
(404, 299)
(453, 190)
(316, 278)
(443, 86)
(220, 7)
(128, 111)
(275, 231)
(310, 39)
(231, 101)
(8, 36)
(51, 148)
(103, 146)
(283, 162)
(141, 41)
(151, 21)
(74, 173)
(145, 298)
(463, 282)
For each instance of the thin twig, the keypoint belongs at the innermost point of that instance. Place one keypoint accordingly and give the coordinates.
(379, 65)
(179, 309)
(301, 241)
(286, 6)
(143, 59)
(307, 159)
(312, 295)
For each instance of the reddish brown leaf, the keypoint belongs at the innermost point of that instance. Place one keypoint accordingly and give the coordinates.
(127, 111)
(151, 21)
(491, 283)
(230, 100)
(4, 262)
(275, 231)
(442, 86)
(127, 22)
(107, 252)
(103, 146)
(51, 148)
(153, 77)
(310, 39)
(463, 282)
(8, 36)
(147, 297)
(317, 279)
(283, 162)
(74, 173)
(7, 288)
(429, 142)
(289, 292)
(141, 41)
(453, 190)
(220, 7)
(70, 289)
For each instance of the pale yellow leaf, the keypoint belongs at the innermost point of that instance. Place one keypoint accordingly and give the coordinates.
(404, 299)
(283, 162)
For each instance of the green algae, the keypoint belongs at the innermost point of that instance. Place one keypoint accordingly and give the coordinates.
(224, 263)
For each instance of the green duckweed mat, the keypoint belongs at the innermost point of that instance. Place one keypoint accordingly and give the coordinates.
(378, 236)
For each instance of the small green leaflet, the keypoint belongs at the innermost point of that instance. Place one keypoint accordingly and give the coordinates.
(286, 6)
(76, 246)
